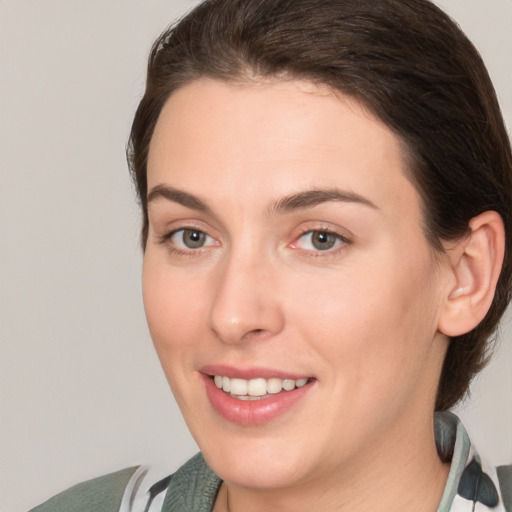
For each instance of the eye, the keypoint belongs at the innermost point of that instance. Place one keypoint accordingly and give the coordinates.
(186, 239)
(316, 240)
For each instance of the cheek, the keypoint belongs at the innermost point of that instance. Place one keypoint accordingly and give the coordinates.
(380, 312)
(173, 308)
(173, 311)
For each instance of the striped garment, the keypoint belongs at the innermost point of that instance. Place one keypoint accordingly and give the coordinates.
(472, 485)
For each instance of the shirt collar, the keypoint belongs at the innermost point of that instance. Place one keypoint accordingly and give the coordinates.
(453, 445)
(194, 486)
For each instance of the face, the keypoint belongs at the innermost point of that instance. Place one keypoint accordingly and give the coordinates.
(286, 263)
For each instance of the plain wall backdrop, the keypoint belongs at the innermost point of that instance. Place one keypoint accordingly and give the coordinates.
(81, 390)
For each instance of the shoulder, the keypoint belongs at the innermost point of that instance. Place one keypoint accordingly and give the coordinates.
(192, 488)
(473, 483)
(505, 482)
(102, 494)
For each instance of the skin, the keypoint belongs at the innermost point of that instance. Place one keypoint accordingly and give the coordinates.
(361, 318)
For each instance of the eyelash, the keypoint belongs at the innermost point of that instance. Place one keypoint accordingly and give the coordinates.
(166, 240)
(341, 241)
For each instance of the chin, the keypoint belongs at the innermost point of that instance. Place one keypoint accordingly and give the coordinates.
(279, 463)
(271, 474)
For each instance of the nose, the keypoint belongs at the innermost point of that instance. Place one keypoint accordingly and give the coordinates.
(245, 303)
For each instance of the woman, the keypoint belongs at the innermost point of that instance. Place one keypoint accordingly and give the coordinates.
(326, 191)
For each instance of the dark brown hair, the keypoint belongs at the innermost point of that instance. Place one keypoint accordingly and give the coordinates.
(406, 61)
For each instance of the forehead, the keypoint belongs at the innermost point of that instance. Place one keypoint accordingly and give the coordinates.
(275, 137)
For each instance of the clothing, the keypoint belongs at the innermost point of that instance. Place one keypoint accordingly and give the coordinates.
(471, 486)
(102, 494)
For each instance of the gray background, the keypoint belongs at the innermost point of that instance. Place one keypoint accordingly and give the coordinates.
(81, 391)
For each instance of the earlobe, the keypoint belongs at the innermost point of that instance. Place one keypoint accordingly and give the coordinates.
(475, 267)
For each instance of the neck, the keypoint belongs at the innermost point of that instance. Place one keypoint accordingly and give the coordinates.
(406, 474)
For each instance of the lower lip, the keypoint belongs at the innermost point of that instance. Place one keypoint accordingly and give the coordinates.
(252, 412)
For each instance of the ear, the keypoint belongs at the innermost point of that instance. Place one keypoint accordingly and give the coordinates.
(475, 262)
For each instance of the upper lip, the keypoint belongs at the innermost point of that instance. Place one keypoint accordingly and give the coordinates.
(249, 373)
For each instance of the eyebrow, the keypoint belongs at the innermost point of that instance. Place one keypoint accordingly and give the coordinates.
(299, 201)
(315, 197)
(178, 196)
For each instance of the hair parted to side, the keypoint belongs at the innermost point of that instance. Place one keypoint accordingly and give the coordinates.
(407, 62)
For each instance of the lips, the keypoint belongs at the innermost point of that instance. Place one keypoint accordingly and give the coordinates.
(253, 396)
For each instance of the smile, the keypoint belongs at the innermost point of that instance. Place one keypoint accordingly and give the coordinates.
(258, 398)
(258, 388)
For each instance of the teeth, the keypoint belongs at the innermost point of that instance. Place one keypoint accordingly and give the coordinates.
(288, 384)
(239, 386)
(274, 385)
(301, 382)
(256, 387)
(226, 384)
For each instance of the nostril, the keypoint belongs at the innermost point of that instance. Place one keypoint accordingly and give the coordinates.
(255, 334)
